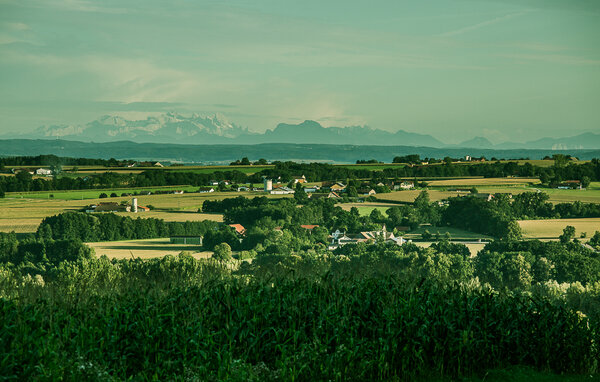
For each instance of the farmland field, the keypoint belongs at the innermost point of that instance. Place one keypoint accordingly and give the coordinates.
(24, 215)
(469, 182)
(474, 248)
(552, 228)
(455, 233)
(145, 249)
(365, 208)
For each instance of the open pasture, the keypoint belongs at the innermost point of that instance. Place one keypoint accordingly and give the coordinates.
(93, 194)
(145, 249)
(365, 209)
(553, 228)
(409, 196)
(23, 215)
(470, 182)
(455, 233)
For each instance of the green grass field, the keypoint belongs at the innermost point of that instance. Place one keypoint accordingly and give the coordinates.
(91, 194)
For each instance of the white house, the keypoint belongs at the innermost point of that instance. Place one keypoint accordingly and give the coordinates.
(43, 171)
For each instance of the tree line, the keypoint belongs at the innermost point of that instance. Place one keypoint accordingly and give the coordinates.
(314, 172)
(111, 227)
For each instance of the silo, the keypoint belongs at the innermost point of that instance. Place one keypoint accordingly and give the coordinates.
(268, 184)
(134, 205)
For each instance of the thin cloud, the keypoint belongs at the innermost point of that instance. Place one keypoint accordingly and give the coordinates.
(483, 24)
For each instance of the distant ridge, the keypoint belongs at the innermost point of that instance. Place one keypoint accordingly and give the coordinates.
(196, 129)
(223, 153)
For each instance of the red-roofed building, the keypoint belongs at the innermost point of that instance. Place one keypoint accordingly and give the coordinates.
(238, 228)
(309, 226)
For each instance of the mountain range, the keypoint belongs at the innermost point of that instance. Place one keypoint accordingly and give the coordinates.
(176, 128)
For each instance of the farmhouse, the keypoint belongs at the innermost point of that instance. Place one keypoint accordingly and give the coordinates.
(43, 171)
(570, 185)
(339, 238)
(108, 207)
(484, 196)
(239, 229)
(282, 191)
(366, 191)
(404, 186)
(338, 187)
(204, 190)
(197, 240)
(331, 195)
(299, 179)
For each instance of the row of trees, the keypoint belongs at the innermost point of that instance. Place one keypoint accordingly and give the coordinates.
(111, 227)
(314, 172)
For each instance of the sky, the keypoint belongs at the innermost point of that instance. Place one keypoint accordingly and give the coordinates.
(507, 70)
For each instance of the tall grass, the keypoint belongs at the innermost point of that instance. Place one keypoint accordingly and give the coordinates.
(179, 318)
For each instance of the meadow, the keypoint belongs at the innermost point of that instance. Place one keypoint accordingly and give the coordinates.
(439, 190)
(552, 228)
(23, 215)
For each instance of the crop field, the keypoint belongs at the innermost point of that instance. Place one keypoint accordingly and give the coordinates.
(23, 215)
(470, 182)
(146, 249)
(474, 248)
(92, 194)
(552, 228)
(409, 196)
(455, 233)
(365, 208)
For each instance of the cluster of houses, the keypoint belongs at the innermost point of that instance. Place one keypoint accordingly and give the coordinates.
(339, 238)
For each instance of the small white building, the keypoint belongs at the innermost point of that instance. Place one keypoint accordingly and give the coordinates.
(282, 191)
(43, 172)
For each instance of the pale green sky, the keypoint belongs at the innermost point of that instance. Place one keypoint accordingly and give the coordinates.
(506, 69)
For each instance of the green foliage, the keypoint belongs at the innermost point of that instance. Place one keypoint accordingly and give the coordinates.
(222, 252)
(568, 234)
(195, 320)
(111, 227)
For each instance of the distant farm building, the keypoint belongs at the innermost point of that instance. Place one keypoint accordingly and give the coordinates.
(43, 172)
(570, 185)
(299, 179)
(239, 229)
(108, 207)
(282, 191)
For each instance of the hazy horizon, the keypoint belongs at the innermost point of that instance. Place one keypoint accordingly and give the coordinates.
(503, 70)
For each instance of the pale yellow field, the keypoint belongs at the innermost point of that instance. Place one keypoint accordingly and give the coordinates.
(410, 195)
(552, 228)
(24, 215)
(483, 182)
(474, 248)
(145, 249)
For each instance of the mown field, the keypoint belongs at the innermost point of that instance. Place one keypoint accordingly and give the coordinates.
(146, 249)
(552, 228)
(24, 215)
(92, 194)
(470, 182)
(495, 185)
